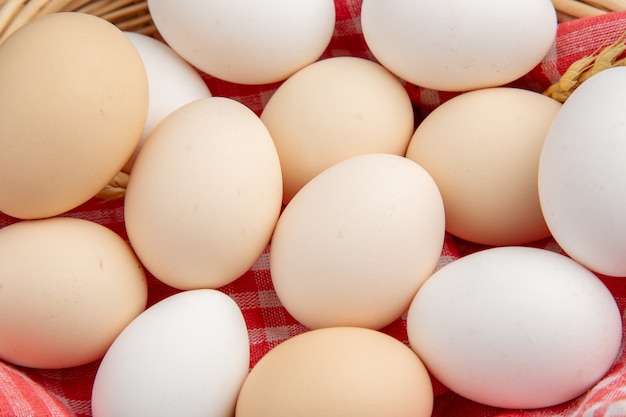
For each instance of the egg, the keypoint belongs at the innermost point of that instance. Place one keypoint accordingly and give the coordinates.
(334, 109)
(186, 355)
(257, 42)
(581, 178)
(456, 45)
(204, 194)
(172, 82)
(68, 287)
(73, 103)
(515, 327)
(482, 148)
(337, 372)
(354, 245)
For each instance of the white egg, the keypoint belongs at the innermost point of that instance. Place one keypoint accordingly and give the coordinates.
(187, 355)
(356, 242)
(251, 42)
(458, 45)
(581, 174)
(515, 327)
(172, 82)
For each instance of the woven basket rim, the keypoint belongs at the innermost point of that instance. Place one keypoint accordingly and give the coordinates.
(128, 15)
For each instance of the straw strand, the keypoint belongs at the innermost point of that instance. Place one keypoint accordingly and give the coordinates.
(581, 70)
(577, 9)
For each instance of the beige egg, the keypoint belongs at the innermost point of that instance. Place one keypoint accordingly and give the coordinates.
(482, 148)
(356, 242)
(73, 103)
(68, 287)
(337, 372)
(204, 194)
(335, 109)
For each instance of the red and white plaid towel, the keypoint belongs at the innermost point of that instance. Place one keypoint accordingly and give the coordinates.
(67, 392)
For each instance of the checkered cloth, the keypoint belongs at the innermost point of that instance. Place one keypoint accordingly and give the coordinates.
(67, 392)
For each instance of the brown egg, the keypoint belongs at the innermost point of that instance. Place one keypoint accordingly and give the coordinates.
(482, 149)
(337, 372)
(68, 287)
(73, 104)
(332, 110)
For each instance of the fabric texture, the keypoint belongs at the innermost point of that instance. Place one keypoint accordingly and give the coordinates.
(67, 392)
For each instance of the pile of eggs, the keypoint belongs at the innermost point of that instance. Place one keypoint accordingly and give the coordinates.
(353, 199)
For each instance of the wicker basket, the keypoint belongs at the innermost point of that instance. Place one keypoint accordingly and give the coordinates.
(130, 15)
(574, 9)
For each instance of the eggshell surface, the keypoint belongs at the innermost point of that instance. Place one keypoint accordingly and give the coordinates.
(354, 245)
(515, 327)
(581, 174)
(68, 287)
(186, 355)
(73, 103)
(456, 45)
(337, 372)
(334, 109)
(172, 82)
(482, 148)
(257, 42)
(204, 194)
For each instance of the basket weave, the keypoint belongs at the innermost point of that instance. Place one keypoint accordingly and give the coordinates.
(129, 15)
(575, 9)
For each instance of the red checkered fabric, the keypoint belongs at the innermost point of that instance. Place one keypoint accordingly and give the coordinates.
(67, 392)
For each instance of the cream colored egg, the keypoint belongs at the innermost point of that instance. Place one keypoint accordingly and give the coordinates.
(73, 103)
(482, 148)
(204, 194)
(335, 109)
(354, 245)
(68, 287)
(340, 371)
